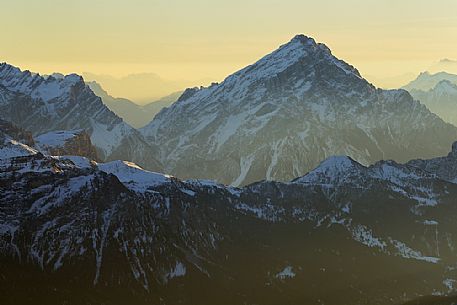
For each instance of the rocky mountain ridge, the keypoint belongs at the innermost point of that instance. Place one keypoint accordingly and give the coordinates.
(152, 238)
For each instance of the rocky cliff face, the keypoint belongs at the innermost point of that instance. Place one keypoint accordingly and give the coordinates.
(283, 115)
(72, 142)
(443, 167)
(85, 232)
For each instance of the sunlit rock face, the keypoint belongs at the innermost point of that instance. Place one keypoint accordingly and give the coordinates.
(67, 142)
(281, 116)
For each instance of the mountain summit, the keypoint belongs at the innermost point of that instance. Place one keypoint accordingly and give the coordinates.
(281, 116)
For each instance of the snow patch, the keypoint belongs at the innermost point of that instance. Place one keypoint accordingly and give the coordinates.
(407, 252)
(13, 149)
(132, 176)
(178, 270)
(365, 236)
(55, 138)
(286, 273)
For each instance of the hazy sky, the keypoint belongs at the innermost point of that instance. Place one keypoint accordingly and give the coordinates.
(386, 40)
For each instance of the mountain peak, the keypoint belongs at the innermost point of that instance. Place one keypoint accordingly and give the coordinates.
(426, 81)
(303, 39)
(333, 169)
(73, 77)
(302, 54)
(424, 74)
(339, 162)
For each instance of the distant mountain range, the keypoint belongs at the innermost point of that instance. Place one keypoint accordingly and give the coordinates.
(279, 117)
(438, 92)
(442, 100)
(141, 87)
(427, 81)
(445, 64)
(111, 233)
(134, 114)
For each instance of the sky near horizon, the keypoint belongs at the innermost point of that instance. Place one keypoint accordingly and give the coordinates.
(198, 41)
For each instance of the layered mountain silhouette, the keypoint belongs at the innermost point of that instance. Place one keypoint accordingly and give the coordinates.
(134, 114)
(281, 116)
(441, 99)
(427, 81)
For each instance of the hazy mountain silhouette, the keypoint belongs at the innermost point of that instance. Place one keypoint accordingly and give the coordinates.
(445, 64)
(141, 87)
(133, 113)
(426, 80)
(441, 99)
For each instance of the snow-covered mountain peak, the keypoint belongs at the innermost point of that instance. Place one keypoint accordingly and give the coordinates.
(301, 54)
(426, 81)
(333, 170)
(279, 117)
(337, 163)
(35, 85)
(340, 173)
(438, 92)
(292, 52)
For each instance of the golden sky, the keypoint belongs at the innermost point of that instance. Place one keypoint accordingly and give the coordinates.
(389, 41)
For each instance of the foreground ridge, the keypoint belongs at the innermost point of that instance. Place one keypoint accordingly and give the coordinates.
(147, 237)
